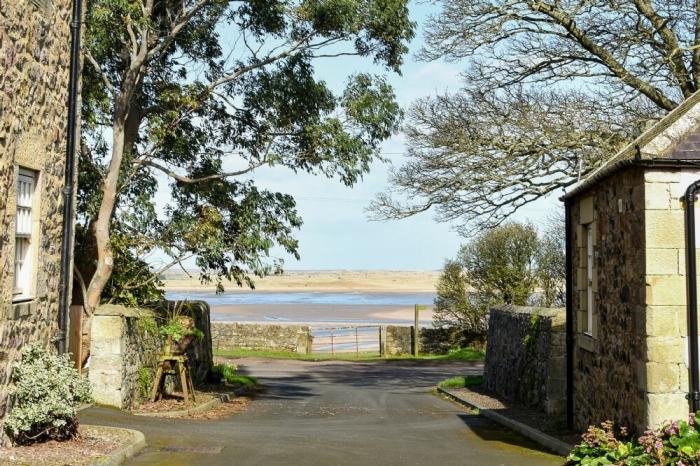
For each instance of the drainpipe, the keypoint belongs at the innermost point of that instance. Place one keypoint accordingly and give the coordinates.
(569, 318)
(692, 289)
(67, 237)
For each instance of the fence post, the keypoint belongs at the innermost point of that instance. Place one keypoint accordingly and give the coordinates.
(382, 342)
(332, 349)
(357, 344)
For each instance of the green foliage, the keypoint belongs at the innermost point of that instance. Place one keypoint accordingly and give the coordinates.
(462, 381)
(145, 382)
(229, 373)
(46, 394)
(224, 84)
(506, 264)
(179, 321)
(500, 263)
(673, 443)
(178, 331)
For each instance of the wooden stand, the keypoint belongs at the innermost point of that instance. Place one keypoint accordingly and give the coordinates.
(167, 365)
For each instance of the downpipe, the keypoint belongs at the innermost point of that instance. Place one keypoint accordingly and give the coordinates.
(692, 295)
(68, 213)
(569, 319)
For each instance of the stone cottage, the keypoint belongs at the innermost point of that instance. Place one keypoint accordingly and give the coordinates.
(627, 310)
(35, 44)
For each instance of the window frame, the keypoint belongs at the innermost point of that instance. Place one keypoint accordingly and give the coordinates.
(26, 235)
(590, 265)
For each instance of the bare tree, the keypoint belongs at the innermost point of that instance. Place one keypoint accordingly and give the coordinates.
(551, 89)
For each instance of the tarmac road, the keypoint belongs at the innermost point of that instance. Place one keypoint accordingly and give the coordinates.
(336, 413)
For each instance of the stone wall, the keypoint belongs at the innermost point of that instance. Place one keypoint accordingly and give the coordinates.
(526, 357)
(125, 348)
(663, 370)
(272, 337)
(34, 63)
(608, 363)
(398, 340)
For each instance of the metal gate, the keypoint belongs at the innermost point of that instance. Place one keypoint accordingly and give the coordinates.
(351, 339)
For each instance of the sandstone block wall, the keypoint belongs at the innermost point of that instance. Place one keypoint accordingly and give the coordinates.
(34, 62)
(526, 357)
(233, 336)
(664, 371)
(125, 341)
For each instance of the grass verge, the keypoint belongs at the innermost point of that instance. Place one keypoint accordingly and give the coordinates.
(462, 381)
(464, 354)
(228, 373)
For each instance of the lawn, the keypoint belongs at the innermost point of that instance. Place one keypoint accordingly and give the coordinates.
(464, 354)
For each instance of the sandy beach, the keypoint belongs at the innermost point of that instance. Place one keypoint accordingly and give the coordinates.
(326, 280)
(318, 314)
(358, 297)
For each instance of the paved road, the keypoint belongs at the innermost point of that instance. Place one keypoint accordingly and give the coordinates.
(336, 413)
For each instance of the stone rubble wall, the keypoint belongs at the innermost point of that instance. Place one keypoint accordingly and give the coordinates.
(125, 342)
(272, 337)
(526, 357)
(34, 68)
(398, 341)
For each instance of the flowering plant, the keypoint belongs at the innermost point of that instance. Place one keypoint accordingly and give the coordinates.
(675, 443)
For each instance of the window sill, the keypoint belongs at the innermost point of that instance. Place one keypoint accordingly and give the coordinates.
(23, 307)
(586, 342)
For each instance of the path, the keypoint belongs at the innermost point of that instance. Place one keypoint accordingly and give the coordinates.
(336, 413)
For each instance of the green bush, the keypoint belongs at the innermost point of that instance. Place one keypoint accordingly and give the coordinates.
(675, 443)
(46, 394)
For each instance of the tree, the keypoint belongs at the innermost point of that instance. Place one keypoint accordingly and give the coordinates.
(500, 263)
(510, 264)
(454, 304)
(203, 93)
(551, 264)
(552, 88)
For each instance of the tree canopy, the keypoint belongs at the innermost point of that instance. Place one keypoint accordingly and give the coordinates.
(202, 93)
(551, 88)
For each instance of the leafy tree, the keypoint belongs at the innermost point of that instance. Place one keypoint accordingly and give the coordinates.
(552, 88)
(551, 264)
(509, 264)
(500, 263)
(203, 93)
(457, 304)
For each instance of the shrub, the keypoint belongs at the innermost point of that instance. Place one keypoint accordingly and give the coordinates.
(46, 394)
(675, 443)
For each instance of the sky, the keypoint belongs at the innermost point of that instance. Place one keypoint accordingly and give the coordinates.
(337, 233)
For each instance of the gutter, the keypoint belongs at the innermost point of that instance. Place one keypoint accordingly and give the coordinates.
(692, 295)
(569, 318)
(68, 211)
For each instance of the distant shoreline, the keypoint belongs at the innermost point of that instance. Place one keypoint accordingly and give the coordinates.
(341, 281)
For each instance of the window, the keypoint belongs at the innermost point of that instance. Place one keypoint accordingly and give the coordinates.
(589, 280)
(24, 221)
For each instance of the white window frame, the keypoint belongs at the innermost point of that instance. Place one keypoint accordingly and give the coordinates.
(25, 234)
(589, 280)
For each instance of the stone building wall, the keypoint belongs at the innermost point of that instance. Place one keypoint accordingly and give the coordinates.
(125, 348)
(233, 336)
(665, 322)
(608, 365)
(526, 357)
(34, 69)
